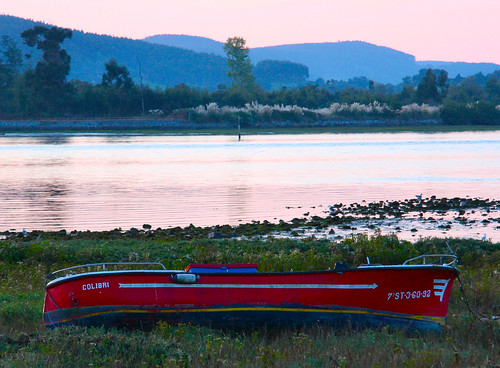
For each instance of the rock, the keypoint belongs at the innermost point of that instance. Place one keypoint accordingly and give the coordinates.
(132, 231)
(215, 235)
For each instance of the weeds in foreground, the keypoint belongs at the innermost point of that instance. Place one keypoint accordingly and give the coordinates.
(189, 346)
(465, 342)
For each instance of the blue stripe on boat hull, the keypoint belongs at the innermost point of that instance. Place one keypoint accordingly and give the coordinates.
(238, 317)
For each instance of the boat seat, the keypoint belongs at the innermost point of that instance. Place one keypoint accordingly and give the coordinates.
(341, 266)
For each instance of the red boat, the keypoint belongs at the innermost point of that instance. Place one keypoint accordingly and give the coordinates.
(412, 295)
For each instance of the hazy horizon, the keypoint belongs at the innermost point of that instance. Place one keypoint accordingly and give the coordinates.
(444, 30)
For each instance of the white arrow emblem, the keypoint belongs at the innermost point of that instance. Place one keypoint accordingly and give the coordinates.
(440, 287)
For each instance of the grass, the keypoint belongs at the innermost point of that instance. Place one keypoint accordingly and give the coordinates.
(188, 346)
(466, 341)
(425, 128)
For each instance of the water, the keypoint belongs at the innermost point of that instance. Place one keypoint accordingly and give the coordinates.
(101, 182)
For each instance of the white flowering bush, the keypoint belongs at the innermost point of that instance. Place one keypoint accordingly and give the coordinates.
(255, 112)
(416, 111)
(355, 110)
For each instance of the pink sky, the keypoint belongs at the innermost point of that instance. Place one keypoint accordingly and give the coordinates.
(446, 30)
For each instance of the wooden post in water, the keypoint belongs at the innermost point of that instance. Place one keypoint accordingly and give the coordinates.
(239, 129)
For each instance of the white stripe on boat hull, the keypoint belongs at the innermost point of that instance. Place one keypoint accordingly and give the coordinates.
(253, 286)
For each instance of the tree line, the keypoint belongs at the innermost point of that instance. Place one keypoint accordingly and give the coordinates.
(36, 86)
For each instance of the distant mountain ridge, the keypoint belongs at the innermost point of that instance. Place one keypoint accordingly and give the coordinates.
(462, 68)
(167, 60)
(193, 43)
(343, 60)
(161, 65)
(336, 60)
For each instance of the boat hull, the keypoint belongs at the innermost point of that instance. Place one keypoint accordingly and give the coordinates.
(414, 297)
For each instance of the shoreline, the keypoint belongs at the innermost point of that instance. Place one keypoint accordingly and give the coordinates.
(157, 126)
(468, 338)
(410, 219)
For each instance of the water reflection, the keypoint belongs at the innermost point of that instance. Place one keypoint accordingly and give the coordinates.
(40, 201)
(51, 139)
(100, 182)
(238, 203)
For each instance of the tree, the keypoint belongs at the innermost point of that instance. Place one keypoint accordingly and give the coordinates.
(427, 90)
(47, 82)
(118, 88)
(442, 83)
(405, 97)
(273, 74)
(468, 91)
(480, 112)
(493, 89)
(179, 97)
(238, 62)
(10, 64)
(116, 76)
(371, 87)
(11, 55)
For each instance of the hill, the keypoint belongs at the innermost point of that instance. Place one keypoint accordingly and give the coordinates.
(167, 60)
(340, 60)
(455, 68)
(161, 65)
(343, 60)
(337, 60)
(194, 43)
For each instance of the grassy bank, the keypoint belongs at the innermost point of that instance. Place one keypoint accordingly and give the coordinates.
(426, 128)
(466, 341)
(345, 129)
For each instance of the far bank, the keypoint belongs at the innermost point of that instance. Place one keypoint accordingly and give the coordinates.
(159, 126)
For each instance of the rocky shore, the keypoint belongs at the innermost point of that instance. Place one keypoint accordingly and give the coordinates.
(410, 219)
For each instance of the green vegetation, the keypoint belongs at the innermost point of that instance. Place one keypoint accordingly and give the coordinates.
(25, 260)
(187, 346)
(45, 88)
(238, 62)
(274, 74)
(43, 91)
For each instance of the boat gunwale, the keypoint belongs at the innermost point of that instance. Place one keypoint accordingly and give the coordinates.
(72, 277)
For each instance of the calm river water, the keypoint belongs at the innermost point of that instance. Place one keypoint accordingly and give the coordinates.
(101, 182)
